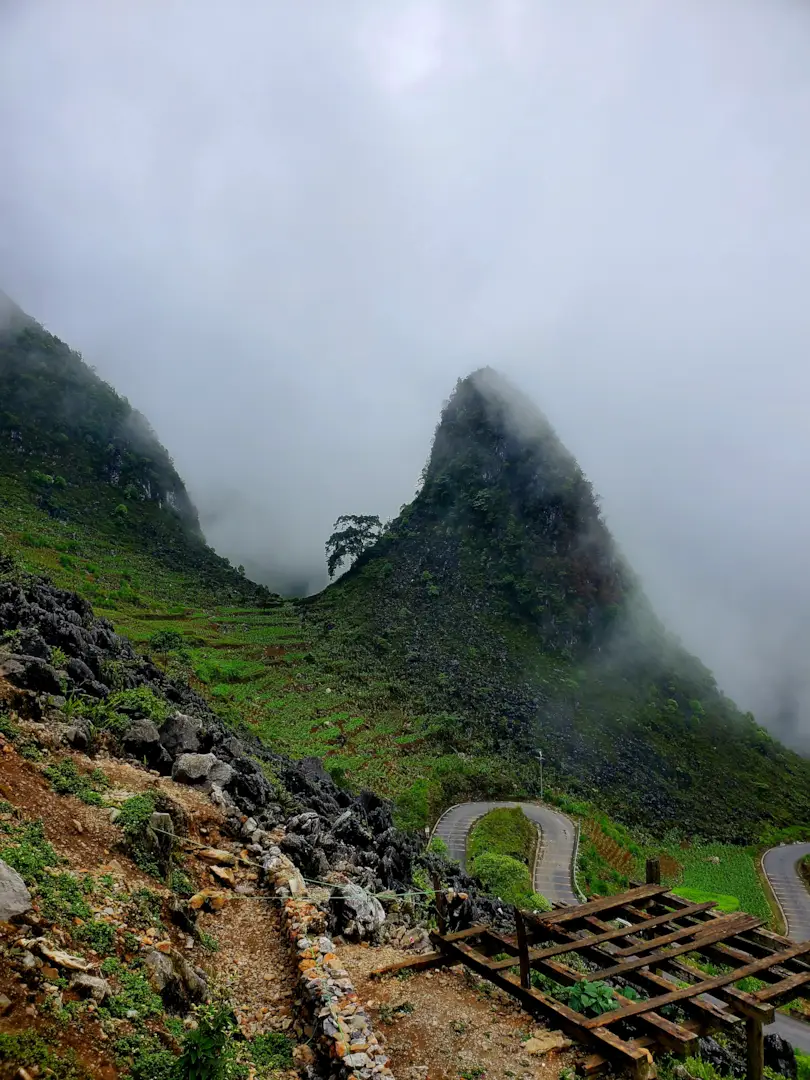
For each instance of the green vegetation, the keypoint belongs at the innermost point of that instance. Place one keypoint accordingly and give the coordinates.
(506, 831)
(544, 638)
(133, 820)
(39, 1053)
(591, 998)
(500, 852)
(77, 459)
(66, 779)
(699, 896)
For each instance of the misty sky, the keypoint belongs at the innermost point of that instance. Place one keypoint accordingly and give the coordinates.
(283, 230)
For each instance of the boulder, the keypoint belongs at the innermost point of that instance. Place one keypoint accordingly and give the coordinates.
(249, 785)
(80, 734)
(201, 769)
(179, 984)
(358, 914)
(30, 673)
(79, 672)
(15, 898)
(181, 734)
(142, 740)
(780, 1056)
(721, 1058)
(91, 986)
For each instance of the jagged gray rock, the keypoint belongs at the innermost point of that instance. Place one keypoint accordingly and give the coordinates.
(15, 899)
(91, 986)
(177, 982)
(181, 734)
(201, 769)
(358, 914)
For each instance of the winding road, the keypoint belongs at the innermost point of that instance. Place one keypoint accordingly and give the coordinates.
(554, 869)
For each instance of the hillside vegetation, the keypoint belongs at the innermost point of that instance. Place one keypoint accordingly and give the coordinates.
(493, 617)
(81, 471)
(497, 605)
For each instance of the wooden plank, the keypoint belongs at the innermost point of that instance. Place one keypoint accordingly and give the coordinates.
(706, 986)
(604, 903)
(709, 934)
(471, 931)
(648, 945)
(610, 934)
(784, 990)
(708, 1015)
(418, 963)
(636, 1059)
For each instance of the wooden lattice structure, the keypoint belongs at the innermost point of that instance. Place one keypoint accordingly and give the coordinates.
(642, 938)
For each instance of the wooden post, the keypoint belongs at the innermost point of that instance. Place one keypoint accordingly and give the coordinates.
(441, 905)
(755, 1039)
(523, 950)
(654, 871)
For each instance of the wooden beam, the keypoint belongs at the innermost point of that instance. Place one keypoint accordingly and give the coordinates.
(637, 1060)
(523, 949)
(649, 945)
(597, 939)
(785, 990)
(755, 1049)
(706, 986)
(471, 931)
(604, 903)
(418, 963)
(709, 933)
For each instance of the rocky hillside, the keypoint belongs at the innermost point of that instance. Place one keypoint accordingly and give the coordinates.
(75, 452)
(499, 605)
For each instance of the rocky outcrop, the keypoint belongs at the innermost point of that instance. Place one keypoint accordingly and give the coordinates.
(15, 898)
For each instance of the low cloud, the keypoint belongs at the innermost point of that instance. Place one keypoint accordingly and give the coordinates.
(283, 231)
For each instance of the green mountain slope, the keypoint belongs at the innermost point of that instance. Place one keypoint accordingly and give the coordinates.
(79, 466)
(498, 602)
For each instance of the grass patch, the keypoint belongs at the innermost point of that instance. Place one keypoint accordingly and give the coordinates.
(65, 779)
(38, 1053)
(700, 896)
(506, 831)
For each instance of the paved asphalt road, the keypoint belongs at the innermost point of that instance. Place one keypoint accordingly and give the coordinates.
(554, 869)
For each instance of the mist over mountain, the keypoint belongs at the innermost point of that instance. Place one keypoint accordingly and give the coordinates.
(284, 259)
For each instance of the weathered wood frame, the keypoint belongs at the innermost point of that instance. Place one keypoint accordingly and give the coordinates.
(648, 952)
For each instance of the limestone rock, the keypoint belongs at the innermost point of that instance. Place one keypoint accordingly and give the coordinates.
(91, 986)
(15, 898)
(201, 769)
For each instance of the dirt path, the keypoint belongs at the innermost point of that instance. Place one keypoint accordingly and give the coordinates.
(448, 1024)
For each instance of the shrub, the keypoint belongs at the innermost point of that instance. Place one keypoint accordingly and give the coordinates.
(508, 879)
(134, 822)
(204, 1054)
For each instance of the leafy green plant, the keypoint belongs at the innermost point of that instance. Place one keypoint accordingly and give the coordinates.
(58, 657)
(100, 936)
(132, 992)
(204, 1054)
(591, 998)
